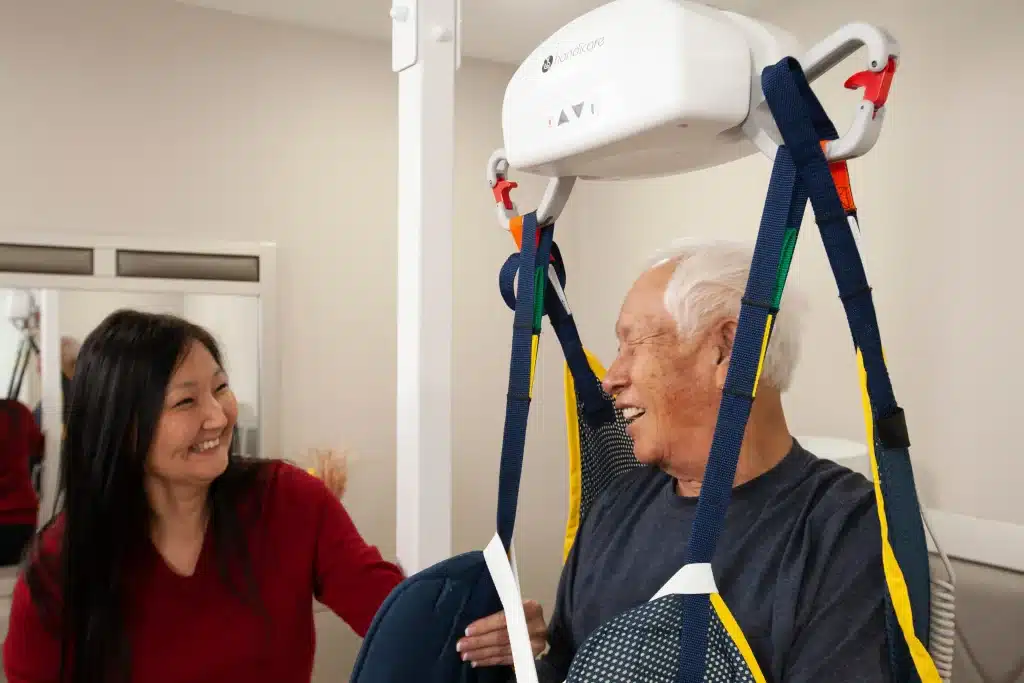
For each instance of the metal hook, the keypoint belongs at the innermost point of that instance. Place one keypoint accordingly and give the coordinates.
(551, 205)
(863, 133)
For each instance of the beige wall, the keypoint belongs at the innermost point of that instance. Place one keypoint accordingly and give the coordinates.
(143, 117)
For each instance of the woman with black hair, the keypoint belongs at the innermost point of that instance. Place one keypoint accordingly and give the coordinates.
(173, 560)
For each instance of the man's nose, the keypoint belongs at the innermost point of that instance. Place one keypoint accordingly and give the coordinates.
(614, 379)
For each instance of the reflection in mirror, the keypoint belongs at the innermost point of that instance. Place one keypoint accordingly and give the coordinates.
(232, 320)
(21, 436)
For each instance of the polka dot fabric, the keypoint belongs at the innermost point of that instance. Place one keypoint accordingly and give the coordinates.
(642, 646)
(638, 646)
(605, 453)
(725, 664)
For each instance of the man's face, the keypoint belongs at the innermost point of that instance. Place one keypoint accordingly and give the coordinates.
(668, 388)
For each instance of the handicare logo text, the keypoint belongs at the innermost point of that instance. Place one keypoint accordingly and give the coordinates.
(581, 48)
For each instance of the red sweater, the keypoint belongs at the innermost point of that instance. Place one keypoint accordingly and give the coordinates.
(20, 439)
(194, 630)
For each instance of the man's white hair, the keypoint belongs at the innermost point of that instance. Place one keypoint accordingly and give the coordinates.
(707, 285)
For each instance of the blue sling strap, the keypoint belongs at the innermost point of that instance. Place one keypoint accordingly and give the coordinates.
(775, 242)
(598, 409)
(413, 635)
(801, 171)
(528, 298)
(804, 124)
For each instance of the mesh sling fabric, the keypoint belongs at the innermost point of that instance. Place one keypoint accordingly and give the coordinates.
(598, 451)
(686, 633)
(413, 635)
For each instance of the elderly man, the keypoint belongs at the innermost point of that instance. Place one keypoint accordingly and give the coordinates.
(799, 561)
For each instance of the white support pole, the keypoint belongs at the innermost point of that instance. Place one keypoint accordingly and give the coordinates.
(52, 400)
(425, 55)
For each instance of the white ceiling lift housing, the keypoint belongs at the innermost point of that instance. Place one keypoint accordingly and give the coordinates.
(644, 88)
(639, 88)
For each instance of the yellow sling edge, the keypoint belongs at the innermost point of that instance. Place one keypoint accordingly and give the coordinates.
(572, 433)
(893, 573)
(732, 627)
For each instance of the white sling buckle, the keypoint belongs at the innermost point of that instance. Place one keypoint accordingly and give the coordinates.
(691, 579)
(515, 617)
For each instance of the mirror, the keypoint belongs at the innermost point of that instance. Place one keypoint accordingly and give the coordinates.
(233, 320)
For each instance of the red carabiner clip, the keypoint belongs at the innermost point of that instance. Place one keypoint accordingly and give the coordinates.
(876, 84)
(503, 193)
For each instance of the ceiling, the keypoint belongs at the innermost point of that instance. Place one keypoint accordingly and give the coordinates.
(498, 30)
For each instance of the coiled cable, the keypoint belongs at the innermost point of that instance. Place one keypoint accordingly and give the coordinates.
(943, 631)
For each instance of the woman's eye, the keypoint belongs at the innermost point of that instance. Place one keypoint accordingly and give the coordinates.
(183, 402)
(222, 387)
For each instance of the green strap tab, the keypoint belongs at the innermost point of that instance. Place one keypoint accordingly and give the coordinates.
(539, 282)
(788, 247)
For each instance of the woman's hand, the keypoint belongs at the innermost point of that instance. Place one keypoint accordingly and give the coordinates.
(486, 642)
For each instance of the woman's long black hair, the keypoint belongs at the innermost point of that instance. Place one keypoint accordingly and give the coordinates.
(103, 515)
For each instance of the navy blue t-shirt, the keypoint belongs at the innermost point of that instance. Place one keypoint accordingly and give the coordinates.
(799, 563)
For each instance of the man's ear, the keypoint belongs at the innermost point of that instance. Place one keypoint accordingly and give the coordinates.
(723, 336)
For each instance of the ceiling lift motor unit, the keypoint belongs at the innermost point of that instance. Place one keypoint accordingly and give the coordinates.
(646, 88)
